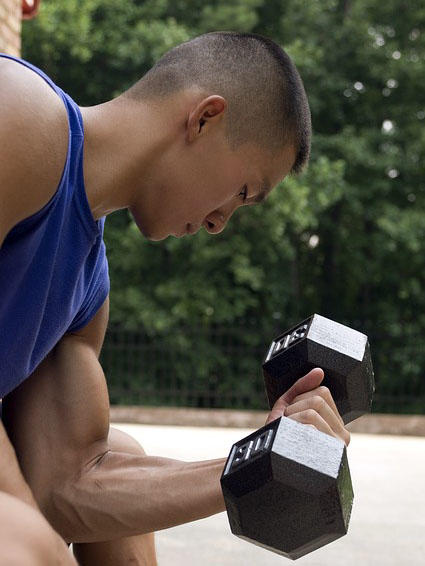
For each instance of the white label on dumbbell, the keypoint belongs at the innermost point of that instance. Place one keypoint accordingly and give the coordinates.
(252, 448)
(263, 441)
(230, 460)
(287, 341)
(338, 337)
(242, 453)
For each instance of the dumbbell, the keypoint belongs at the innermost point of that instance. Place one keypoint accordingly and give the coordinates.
(287, 486)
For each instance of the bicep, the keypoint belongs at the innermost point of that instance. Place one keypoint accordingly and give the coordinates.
(64, 405)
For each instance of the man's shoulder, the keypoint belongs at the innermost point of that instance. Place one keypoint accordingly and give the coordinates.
(33, 143)
(24, 91)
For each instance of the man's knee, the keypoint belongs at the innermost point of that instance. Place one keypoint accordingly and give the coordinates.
(26, 539)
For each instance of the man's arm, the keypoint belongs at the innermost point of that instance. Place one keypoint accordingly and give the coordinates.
(59, 424)
(33, 143)
(58, 421)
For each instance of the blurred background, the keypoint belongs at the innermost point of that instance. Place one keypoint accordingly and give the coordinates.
(191, 319)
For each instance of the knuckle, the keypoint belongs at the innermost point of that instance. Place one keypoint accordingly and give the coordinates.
(324, 391)
(288, 411)
(311, 416)
(318, 403)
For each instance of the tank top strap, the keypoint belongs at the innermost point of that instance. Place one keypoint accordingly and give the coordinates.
(73, 174)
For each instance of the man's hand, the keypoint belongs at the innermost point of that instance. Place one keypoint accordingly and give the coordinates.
(310, 403)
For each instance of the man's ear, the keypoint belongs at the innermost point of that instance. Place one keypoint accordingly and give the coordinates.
(204, 115)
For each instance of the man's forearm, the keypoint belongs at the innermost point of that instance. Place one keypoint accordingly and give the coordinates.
(124, 495)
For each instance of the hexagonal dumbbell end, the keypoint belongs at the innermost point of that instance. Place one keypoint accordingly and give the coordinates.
(287, 488)
(343, 354)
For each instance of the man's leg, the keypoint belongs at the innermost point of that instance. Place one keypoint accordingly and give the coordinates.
(26, 538)
(12, 481)
(138, 550)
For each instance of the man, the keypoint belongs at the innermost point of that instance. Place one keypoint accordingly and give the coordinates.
(213, 126)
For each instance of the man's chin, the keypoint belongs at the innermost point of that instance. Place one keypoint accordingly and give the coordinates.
(155, 237)
(151, 235)
(145, 230)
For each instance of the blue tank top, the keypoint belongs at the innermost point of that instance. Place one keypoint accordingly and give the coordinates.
(53, 267)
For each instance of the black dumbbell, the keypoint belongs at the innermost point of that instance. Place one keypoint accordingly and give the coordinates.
(343, 354)
(287, 487)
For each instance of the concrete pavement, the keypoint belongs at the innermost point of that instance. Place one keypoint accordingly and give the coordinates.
(387, 525)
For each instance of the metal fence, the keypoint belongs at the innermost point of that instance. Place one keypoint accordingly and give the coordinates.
(216, 367)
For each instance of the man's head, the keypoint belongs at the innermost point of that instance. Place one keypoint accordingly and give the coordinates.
(246, 123)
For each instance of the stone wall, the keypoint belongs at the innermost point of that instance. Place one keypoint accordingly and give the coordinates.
(400, 425)
(10, 26)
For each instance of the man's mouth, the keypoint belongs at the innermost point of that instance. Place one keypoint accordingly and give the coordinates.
(191, 229)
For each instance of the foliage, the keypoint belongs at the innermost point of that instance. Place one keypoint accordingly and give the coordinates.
(346, 239)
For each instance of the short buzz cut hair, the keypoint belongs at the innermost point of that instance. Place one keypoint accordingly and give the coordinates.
(267, 103)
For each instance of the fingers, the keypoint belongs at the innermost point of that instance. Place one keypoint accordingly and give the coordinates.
(306, 383)
(310, 403)
(309, 417)
(315, 411)
(324, 393)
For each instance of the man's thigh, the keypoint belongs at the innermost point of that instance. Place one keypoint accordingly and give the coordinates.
(26, 539)
(11, 479)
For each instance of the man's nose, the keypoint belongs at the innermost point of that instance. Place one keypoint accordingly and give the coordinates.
(215, 222)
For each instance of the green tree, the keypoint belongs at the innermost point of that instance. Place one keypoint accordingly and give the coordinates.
(345, 239)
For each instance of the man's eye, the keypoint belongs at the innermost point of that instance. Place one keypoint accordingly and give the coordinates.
(244, 193)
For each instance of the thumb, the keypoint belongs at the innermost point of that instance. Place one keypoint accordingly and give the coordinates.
(306, 383)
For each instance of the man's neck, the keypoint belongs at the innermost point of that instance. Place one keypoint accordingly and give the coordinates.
(119, 154)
